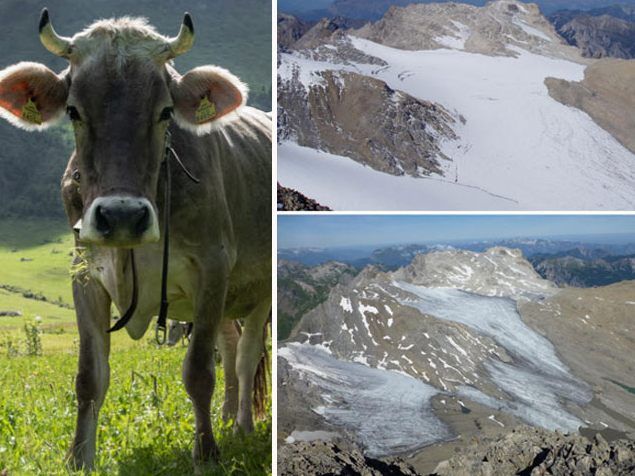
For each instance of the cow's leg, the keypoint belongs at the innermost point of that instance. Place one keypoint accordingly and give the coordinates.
(92, 306)
(228, 344)
(250, 348)
(199, 365)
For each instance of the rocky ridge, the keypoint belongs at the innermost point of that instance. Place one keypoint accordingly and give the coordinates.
(350, 114)
(499, 28)
(290, 29)
(318, 458)
(537, 452)
(292, 200)
(301, 288)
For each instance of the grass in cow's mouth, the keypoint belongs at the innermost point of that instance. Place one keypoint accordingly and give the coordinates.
(146, 425)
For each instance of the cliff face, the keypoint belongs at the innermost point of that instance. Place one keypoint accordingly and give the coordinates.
(360, 117)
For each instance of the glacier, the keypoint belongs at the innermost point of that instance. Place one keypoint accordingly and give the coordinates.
(518, 149)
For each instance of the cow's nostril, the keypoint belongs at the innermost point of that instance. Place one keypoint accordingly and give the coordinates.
(143, 220)
(102, 221)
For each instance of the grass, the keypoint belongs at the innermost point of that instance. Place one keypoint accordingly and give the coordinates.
(146, 424)
(34, 257)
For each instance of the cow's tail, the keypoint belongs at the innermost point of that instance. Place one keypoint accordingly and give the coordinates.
(262, 377)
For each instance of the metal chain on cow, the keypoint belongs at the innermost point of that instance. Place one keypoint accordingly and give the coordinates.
(161, 330)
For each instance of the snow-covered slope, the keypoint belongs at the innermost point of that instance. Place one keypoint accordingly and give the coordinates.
(413, 327)
(517, 147)
(341, 183)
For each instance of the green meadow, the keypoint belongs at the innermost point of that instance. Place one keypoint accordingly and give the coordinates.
(146, 424)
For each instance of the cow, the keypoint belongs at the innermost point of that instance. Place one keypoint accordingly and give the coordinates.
(133, 114)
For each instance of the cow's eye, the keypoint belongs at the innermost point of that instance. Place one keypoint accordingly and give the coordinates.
(73, 113)
(166, 114)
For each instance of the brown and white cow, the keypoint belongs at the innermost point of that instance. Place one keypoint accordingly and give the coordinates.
(122, 95)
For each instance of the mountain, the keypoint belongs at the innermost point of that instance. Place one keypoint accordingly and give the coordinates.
(301, 288)
(454, 107)
(566, 269)
(497, 29)
(459, 343)
(234, 35)
(597, 36)
(599, 32)
(290, 29)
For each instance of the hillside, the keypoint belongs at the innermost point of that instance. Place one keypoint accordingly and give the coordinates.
(236, 36)
(301, 288)
(38, 362)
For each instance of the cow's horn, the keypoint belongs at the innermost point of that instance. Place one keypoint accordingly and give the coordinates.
(56, 44)
(185, 39)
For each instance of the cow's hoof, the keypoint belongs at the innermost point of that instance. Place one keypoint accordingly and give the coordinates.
(243, 427)
(79, 459)
(229, 413)
(77, 462)
(205, 450)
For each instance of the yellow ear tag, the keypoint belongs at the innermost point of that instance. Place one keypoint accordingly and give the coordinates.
(30, 112)
(206, 111)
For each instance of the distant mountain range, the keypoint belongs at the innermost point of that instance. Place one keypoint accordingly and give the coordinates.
(573, 268)
(375, 9)
(599, 32)
(391, 257)
(307, 276)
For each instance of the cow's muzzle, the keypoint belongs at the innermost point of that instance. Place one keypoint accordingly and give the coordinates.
(120, 221)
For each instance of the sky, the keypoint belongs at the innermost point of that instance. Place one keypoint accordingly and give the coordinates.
(300, 231)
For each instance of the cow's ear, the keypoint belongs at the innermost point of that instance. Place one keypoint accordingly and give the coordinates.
(206, 97)
(32, 96)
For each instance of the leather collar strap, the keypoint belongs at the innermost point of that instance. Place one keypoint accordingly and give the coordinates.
(163, 310)
(123, 320)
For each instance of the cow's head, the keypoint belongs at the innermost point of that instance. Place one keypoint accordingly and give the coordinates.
(120, 92)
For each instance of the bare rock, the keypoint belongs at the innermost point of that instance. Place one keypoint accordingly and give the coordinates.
(321, 458)
(292, 200)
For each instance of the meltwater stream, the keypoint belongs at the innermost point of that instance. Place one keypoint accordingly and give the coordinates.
(389, 412)
(537, 381)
